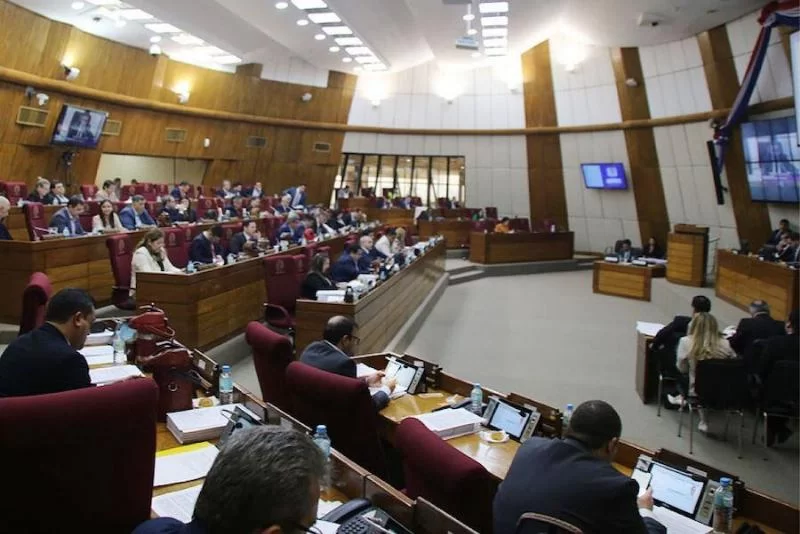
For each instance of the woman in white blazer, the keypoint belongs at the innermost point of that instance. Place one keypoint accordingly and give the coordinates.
(107, 220)
(150, 257)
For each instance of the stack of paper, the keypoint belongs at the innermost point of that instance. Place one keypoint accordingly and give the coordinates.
(202, 423)
(363, 370)
(108, 375)
(98, 354)
(183, 464)
(451, 423)
(100, 338)
(648, 329)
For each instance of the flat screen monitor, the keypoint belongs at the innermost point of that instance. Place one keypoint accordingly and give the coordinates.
(604, 175)
(675, 489)
(772, 160)
(79, 127)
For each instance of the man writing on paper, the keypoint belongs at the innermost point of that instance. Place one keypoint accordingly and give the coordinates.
(266, 479)
(333, 354)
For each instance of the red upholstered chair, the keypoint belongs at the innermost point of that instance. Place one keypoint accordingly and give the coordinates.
(444, 475)
(146, 190)
(91, 208)
(545, 524)
(162, 190)
(88, 191)
(520, 224)
(219, 202)
(342, 404)
(416, 201)
(199, 191)
(491, 213)
(480, 226)
(301, 263)
(205, 204)
(213, 191)
(34, 302)
(272, 354)
(127, 192)
(175, 245)
(283, 290)
(120, 253)
(34, 220)
(265, 204)
(14, 191)
(311, 249)
(89, 454)
(228, 231)
(441, 202)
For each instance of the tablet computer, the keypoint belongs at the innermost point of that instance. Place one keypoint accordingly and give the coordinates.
(519, 422)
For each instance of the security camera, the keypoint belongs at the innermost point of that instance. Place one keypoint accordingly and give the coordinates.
(42, 98)
(307, 97)
(71, 73)
(154, 50)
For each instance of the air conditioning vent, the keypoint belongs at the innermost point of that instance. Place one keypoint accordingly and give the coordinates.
(112, 128)
(176, 135)
(32, 116)
(322, 147)
(255, 141)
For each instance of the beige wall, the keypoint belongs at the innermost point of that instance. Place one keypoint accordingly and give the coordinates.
(150, 169)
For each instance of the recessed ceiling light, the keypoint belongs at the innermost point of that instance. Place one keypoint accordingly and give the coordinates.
(358, 51)
(348, 41)
(211, 51)
(494, 21)
(281, 5)
(493, 7)
(468, 17)
(337, 30)
(309, 4)
(347, 59)
(324, 18)
(495, 32)
(227, 60)
(375, 66)
(302, 22)
(134, 14)
(333, 49)
(472, 31)
(120, 23)
(105, 2)
(320, 36)
(155, 39)
(162, 27)
(78, 5)
(187, 40)
(500, 42)
(367, 59)
(476, 54)
(496, 51)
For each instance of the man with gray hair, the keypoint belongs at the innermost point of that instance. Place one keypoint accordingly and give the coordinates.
(285, 206)
(41, 193)
(5, 205)
(265, 479)
(291, 230)
(759, 326)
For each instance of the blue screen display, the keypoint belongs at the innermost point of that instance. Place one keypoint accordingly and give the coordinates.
(604, 175)
(772, 158)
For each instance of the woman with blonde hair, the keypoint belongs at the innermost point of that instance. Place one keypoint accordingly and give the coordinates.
(702, 342)
(399, 243)
(150, 257)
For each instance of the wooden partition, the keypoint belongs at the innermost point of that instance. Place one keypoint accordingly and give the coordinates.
(624, 280)
(687, 250)
(742, 279)
(454, 213)
(392, 216)
(353, 203)
(521, 247)
(455, 232)
(15, 222)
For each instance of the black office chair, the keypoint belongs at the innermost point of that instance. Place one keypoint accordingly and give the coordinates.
(531, 523)
(665, 355)
(719, 385)
(779, 396)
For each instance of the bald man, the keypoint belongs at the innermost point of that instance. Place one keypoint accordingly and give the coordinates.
(5, 205)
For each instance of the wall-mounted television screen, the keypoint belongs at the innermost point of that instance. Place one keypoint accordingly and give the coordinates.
(604, 175)
(772, 159)
(79, 127)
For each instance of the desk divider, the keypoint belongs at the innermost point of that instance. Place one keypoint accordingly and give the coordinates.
(390, 500)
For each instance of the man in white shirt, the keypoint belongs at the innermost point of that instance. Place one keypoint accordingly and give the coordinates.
(385, 243)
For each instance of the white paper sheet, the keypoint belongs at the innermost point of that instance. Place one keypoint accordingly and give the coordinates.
(98, 355)
(326, 527)
(323, 507)
(178, 504)
(648, 329)
(184, 466)
(106, 375)
(363, 370)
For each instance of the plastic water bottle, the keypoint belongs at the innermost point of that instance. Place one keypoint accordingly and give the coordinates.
(231, 259)
(65, 232)
(567, 416)
(190, 268)
(322, 440)
(120, 358)
(226, 385)
(723, 507)
(476, 399)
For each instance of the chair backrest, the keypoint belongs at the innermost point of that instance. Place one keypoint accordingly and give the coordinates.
(480, 226)
(199, 190)
(783, 384)
(146, 190)
(90, 209)
(301, 264)
(520, 224)
(272, 354)
(34, 220)
(205, 204)
(120, 253)
(342, 404)
(617, 246)
(14, 191)
(280, 281)
(73, 450)
(531, 523)
(265, 203)
(228, 231)
(175, 245)
(34, 302)
(127, 192)
(722, 384)
(444, 475)
(88, 191)
(161, 189)
(490, 212)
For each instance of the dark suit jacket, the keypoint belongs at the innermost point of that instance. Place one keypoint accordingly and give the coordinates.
(325, 356)
(296, 235)
(315, 282)
(656, 253)
(673, 331)
(750, 329)
(42, 361)
(202, 251)
(4, 234)
(176, 193)
(775, 237)
(560, 478)
(61, 220)
(174, 215)
(366, 259)
(292, 191)
(776, 349)
(236, 244)
(789, 255)
(127, 216)
(169, 525)
(345, 269)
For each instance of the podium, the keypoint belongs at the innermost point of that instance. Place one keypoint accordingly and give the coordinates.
(687, 250)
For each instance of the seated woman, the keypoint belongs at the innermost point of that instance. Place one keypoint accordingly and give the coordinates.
(399, 243)
(652, 250)
(702, 342)
(107, 220)
(150, 257)
(317, 277)
(503, 227)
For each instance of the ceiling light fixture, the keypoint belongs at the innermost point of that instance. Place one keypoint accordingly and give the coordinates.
(493, 7)
(494, 32)
(347, 59)
(334, 49)
(495, 21)
(500, 42)
(154, 50)
(155, 39)
(358, 51)
(187, 40)
(348, 41)
(302, 22)
(162, 27)
(469, 16)
(367, 59)
(337, 30)
(134, 14)
(375, 66)
(211, 51)
(496, 51)
(105, 2)
(281, 5)
(320, 37)
(324, 18)
(472, 31)
(78, 5)
(309, 4)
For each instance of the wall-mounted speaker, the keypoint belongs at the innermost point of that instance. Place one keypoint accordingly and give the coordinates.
(32, 116)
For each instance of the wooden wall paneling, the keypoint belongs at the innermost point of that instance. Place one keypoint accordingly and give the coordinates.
(24, 37)
(648, 189)
(548, 198)
(752, 218)
(58, 35)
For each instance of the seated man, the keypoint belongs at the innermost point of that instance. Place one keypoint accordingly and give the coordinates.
(626, 253)
(791, 253)
(58, 194)
(284, 207)
(291, 230)
(170, 208)
(333, 354)
(5, 205)
(346, 267)
(136, 216)
(107, 192)
(235, 210)
(185, 211)
(205, 246)
(256, 192)
(246, 240)
(369, 255)
(180, 191)
(265, 479)
(775, 237)
(573, 480)
(777, 349)
(41, 192)
(385, 244)
(226, 191)
(503, 227)
(46, 360)
(68, 217)
(760, 325)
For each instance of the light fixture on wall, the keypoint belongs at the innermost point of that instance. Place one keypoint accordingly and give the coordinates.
(183, 91)
(569, 49)
(375, 88)
(449, 86)
(631, 82)
(207, 142)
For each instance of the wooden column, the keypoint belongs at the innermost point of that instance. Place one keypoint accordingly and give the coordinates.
(548, 199)
(648, 190)
(752, 218)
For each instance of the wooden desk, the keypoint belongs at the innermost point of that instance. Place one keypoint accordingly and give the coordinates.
(646, 378)
(455, 213)
(625, 280)
(15, 222)
(456, 232)
(521, 247)
(392, 216)
(353, 203)
(382, 312)
(743, 279)
(687, 249)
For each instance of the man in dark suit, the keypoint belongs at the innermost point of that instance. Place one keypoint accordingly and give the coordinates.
(346, 267)
(333, 354)
(369, 254)
(291, 230)
(69, 217)
(205, 246)
(246, 240)
(46, 360)
(671, 333)
(775, 237)
(297, 195)
(759, 326)
(791, 253)
(573, 480)
(180, 191)
(136, 216)
(777, 349)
